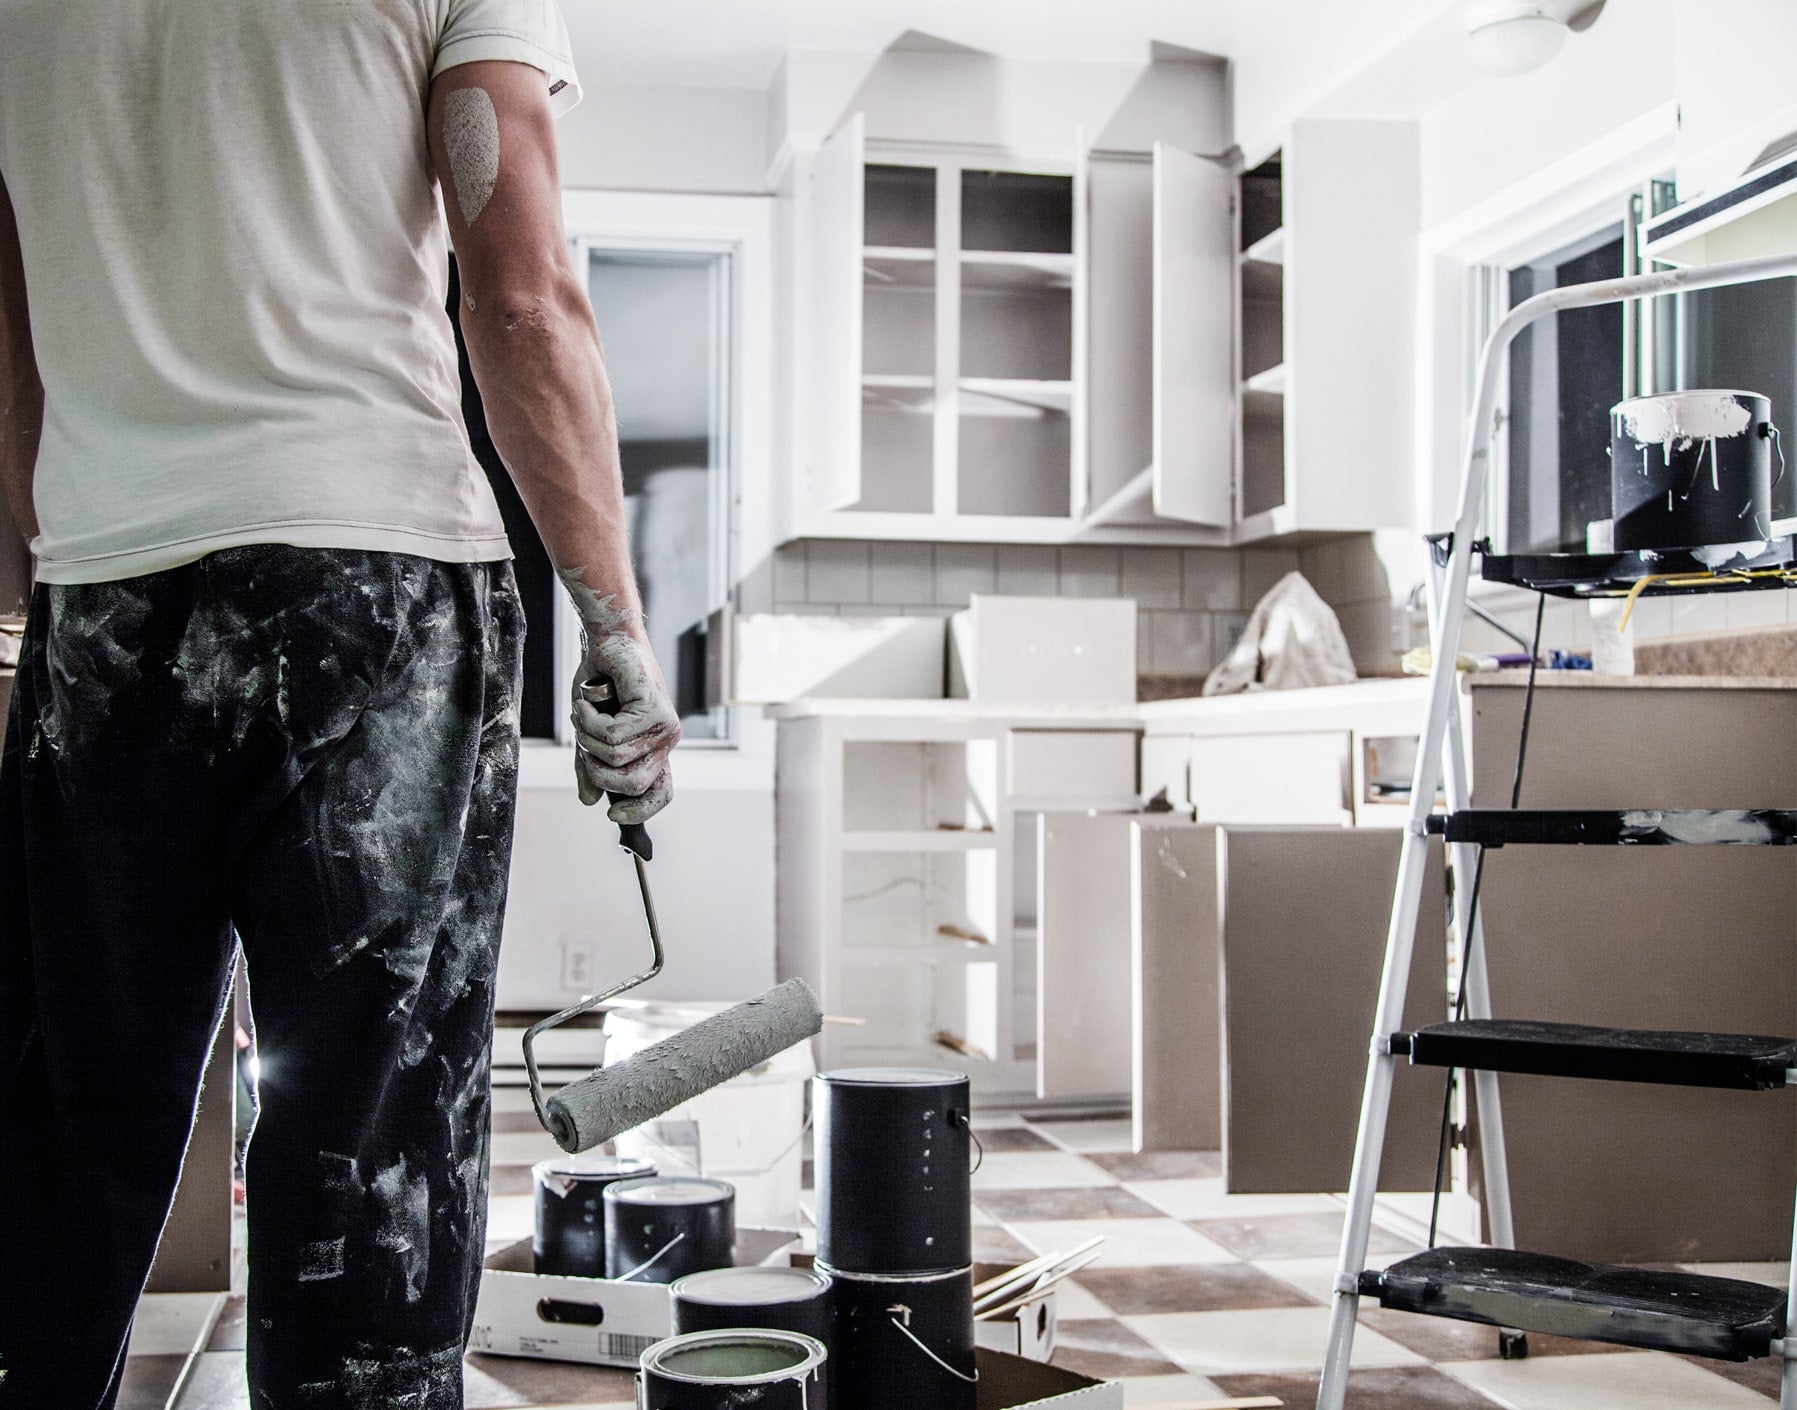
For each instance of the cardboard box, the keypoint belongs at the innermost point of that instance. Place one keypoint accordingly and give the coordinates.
(1044, 650)
(1007, 1382)
(593, 1321)
(766, 659)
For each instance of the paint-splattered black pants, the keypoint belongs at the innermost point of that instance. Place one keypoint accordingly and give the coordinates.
(315, 751)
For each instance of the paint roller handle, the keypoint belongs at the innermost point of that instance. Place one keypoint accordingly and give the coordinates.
(602, 695)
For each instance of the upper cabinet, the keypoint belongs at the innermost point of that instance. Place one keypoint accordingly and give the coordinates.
(1327, 297)
(1002, 350)
(944, 347)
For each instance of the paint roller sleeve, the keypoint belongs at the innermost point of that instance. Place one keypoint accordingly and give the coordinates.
(654, 1081)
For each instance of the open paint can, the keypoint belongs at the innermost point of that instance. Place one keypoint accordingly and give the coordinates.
(902, 1343)
(893, 1190)
(659, 1230)
(777, 1299)
(1693, 471)
(732, 1370)
(570, 1234)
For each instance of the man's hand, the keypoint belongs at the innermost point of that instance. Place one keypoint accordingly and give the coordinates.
(623, 751)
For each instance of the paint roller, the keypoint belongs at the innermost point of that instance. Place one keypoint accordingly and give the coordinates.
(650, 1083)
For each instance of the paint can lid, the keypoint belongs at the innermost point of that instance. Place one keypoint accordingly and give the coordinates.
(670, 1191)
(588, 1168)
(894, 1077)
(749, 1287)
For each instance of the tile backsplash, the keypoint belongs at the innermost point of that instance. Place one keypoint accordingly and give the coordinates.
(1193, 602)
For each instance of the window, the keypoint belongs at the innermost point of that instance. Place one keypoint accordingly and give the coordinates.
(665, 318)
(1567, 372)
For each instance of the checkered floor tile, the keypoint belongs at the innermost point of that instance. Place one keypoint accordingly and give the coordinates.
(1199, 1296)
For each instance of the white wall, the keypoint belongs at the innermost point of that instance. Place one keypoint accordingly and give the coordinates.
(574, 889)
(624, 138)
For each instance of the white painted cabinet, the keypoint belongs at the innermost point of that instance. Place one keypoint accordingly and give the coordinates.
(908, 878)
(1327, 292)
(1146, 347)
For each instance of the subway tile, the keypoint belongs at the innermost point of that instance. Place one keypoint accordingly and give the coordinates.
(963, 569)
(867, 609)
(1144, 645)
(1212, 579)
(901, 574)
(1700, 614)
(1261, 568)
(1367, 626)
(805, 609)
(1652, 619)
(1751, 611)
(1226, 631)
(836, 571)
(913, 610)
(755, 590)
(789, 572)
(1364, 578)
(1324, 566)
(1182, 642)
(1151, 576)
(1028, 570)
(1090, 571)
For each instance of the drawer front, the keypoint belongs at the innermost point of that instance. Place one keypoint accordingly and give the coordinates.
(1074, 766)
(1273, 778)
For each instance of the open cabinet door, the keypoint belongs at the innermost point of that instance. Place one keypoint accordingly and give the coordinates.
(1194, 338)
(833, 467)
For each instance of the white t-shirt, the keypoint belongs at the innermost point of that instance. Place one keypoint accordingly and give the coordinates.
(237, 264)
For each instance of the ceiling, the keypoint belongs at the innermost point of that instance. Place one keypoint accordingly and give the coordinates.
(739, 43)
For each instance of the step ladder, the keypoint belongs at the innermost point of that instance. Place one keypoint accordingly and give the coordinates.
(1500, 1286)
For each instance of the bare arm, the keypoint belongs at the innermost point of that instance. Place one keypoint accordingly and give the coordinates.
(21, 390)
(537, 359)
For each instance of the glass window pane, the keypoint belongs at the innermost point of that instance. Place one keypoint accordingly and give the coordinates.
(663, 319)
(1565, 375)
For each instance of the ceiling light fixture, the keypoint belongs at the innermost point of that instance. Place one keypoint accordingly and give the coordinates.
(1510, 37)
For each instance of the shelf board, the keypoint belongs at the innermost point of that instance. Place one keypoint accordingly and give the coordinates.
(1018, 396)
(908, 254)
(1009, 269)
(921, 840)
(1269, 249)
(893, 267)
(1270, 381)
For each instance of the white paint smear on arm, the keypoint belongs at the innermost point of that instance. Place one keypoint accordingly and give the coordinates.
(471, 138)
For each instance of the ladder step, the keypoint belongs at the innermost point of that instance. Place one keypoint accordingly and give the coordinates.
(1741, 1061)
(1627, 827)
(1722, 1318)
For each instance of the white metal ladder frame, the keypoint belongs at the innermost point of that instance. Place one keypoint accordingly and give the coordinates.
(1441, 725)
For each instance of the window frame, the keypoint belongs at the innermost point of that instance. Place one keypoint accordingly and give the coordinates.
(739, 230)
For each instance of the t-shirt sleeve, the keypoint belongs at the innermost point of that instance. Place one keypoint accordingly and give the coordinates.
(522, 31)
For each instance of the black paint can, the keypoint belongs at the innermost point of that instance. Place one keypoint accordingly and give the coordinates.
(902, 1343)
(777, 1299)
(1692, 470)
(733, 1370)
(892, 1170)
(660, 1230)
(570, 1235)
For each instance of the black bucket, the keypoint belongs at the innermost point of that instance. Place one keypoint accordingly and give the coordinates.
(774, 1299)
(660, 1230)
(731, 1370)
(902, 1343)
(1692, 470)
(893, 1190)
(570, 1233)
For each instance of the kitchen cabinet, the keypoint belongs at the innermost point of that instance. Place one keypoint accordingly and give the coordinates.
(1016, 351)
(1326, 289)
(907, 871)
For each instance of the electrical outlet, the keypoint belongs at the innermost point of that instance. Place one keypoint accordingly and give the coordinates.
(577, 966)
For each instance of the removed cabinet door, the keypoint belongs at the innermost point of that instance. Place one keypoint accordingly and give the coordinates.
(1194, 338)
(1083, 1021)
